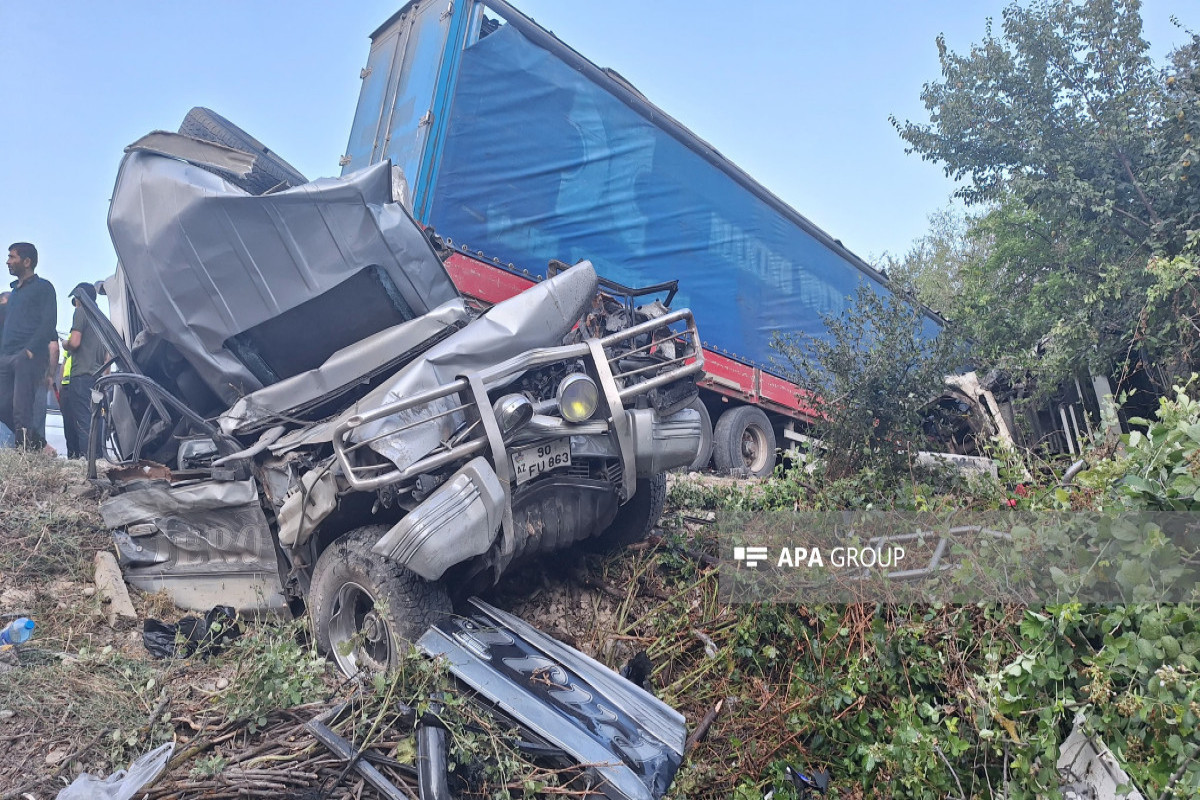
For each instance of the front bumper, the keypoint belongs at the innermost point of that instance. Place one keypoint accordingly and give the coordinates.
(460, 518)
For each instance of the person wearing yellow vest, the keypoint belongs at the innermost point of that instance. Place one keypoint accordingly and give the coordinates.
(87, 356)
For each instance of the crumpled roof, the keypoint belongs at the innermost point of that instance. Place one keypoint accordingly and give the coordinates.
(205, 261)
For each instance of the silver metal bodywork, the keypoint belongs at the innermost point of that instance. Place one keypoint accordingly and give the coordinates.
(205, 261)
(396, 426)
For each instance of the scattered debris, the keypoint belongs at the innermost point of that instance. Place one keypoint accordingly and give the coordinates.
(121, 785)
(354, 758)
(703, 726)
(192, 635)
(111, 587)
(629, 741)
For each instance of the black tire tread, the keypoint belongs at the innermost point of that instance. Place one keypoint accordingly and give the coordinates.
(637, 518)
(414, 604)
(727, 438)
(269, 169)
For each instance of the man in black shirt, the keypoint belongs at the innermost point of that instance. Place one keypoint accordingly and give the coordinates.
(29, 328)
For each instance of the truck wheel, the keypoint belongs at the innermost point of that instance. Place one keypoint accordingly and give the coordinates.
(744, 440)
(269, 169)
(637, 518)
(365, 609)
(704, 455)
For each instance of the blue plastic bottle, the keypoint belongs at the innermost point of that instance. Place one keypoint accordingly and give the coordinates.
(17, 631)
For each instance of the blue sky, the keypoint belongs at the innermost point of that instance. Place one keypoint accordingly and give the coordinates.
(797, 93)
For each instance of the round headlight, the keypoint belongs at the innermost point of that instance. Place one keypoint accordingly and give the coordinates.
(578, 397)
(512, 411)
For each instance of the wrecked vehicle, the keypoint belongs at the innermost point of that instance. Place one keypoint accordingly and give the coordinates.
(306, 415)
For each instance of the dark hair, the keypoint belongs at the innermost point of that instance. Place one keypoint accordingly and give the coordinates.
(87, 288)
(24, 250)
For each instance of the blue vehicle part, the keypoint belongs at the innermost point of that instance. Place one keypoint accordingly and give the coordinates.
(630, 740)
(531, 153)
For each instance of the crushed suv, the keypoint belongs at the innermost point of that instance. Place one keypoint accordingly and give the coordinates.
(305, 415)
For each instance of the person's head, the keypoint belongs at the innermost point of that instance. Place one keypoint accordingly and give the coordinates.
(4, 298)
(22, 259)
(84, 288)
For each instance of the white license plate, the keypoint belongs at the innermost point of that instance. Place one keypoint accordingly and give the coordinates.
(529, 462)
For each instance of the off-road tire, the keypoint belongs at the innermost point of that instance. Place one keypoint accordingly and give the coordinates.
(637, 518)
(403, 601)
(744, 442)
(269, 169)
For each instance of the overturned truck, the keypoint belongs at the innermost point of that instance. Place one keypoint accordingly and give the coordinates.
(305, 414)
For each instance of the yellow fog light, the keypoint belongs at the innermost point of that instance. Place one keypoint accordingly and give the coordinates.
(578, 397)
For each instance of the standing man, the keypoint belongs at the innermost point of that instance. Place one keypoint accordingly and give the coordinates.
(29, 327)
(87, 355)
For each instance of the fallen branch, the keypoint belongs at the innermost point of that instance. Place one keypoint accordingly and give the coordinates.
(703, 726)
(703, 558)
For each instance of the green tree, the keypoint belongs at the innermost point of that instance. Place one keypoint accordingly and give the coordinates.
(934, 268)
(875, 373)
(1081, 151)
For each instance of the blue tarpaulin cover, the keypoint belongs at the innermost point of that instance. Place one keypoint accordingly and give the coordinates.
(540, 163)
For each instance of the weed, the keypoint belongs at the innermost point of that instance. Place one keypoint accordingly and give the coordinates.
(273, 671)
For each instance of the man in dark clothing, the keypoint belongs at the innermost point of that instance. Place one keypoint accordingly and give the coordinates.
(29, 327)
(87, 355)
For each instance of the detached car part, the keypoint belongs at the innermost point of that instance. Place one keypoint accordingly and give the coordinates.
(631, 741)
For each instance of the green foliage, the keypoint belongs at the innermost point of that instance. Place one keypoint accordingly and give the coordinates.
(874, 374)
(274, 672)
(1159, 466)
(938, 701)
(933, 268)
(1083, 153)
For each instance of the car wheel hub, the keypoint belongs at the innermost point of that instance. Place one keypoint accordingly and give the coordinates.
(358, 634)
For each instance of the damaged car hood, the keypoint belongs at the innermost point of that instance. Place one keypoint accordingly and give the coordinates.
(255, 289)
(538, 317)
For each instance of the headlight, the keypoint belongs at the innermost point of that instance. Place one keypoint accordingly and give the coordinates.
(512, 411)
(578, 397)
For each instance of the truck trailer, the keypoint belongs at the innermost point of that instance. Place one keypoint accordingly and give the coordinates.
(518, 151)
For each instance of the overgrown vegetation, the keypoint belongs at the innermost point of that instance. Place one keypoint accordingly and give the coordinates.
(875, 372)
(953, 701)
(1078, 155)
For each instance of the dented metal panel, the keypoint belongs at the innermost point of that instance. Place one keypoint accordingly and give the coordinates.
(205, 544)
(154, 499)
(208, 262)
(345, 368)
(629, 739)
(540, 317)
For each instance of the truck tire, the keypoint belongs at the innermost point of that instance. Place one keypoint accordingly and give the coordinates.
(366, 609)
(744, 442)
(704, 455)
(269, 169)
(637, 518)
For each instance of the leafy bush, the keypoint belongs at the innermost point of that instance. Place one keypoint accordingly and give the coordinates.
(874, 376)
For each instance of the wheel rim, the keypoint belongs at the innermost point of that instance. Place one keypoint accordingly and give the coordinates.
(358, 633)
(754, 449)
